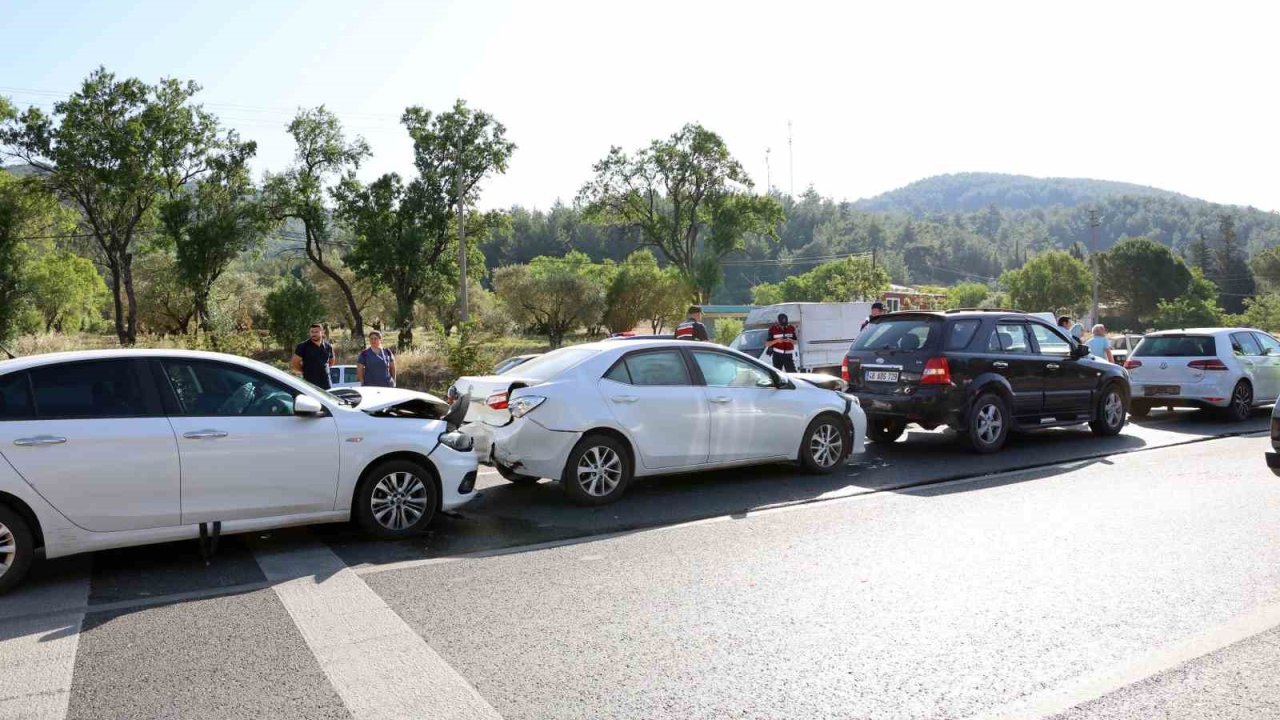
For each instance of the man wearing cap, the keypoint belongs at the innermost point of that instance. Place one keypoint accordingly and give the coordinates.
(877, 309)
(782, 344)
(692, 327)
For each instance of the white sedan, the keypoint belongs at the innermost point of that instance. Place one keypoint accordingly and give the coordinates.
(594, 416)
(127, 447)
(1235, 369)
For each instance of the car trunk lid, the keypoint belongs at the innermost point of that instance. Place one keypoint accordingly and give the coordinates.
(1174, 360)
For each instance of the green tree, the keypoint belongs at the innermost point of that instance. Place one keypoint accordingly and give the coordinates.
(291, 308)
(967, 295)
(322, 153)
(553, 295)
(213, 222)
(113, 149)
(454, 151)
(1233, 277)
(640, 291)
(727, 329)
(836, 281)
(66, 289)
(1138, 274)
(1197, 307)
(1266, 268)
(1262, 312)
(1049, 281)
(687, 197)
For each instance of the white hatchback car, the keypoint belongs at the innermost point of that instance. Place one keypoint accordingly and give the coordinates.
(127, 447)
(1236, 369)
(594, 416)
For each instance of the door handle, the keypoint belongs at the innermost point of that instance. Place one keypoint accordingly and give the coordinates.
(721, 400)
(624, 399)
(39, 441)
(204, 434)
(1000, 365)
(1053, 366)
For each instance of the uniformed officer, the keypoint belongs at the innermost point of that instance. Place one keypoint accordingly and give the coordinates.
(782, 344)
(692, 327)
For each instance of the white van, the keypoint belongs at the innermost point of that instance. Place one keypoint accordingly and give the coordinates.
(825, 330)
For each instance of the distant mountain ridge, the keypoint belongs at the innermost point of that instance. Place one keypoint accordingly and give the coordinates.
(973, 191)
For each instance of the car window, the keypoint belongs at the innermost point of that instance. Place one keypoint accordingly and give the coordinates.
(1050, 342)
(1270, 346)
(335, 375)
(546, 367)
(1244, 344)
(1008, 338)
(904, 334)
(657, 368)
(209, 389)
(99, 389)
(749, 339)
(720, 370)
(15, 397)
(618, 373)
(1176, 346)
(961, 334)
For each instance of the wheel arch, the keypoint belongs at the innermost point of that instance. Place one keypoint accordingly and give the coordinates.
(15, 503)
(407, 455)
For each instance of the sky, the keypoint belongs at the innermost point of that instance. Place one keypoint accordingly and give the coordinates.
(1176, 95)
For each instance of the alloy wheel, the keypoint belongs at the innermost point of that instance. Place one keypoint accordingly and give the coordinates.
(599, 471)
(990, 423)
(826, 445)
(8, 549)
(1113, 409)
(1242, 398)
(399, 500)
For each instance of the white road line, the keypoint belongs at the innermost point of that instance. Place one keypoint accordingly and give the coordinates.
(379, 666)
(38, 654)
(1108, 680)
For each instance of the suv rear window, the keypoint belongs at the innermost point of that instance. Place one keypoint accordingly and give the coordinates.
(905, 335)
(961, 334)
(1176, 346)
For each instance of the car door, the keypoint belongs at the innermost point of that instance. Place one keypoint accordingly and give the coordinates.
(1009, 354)
(91, 437)
(244, 453)
(1271, 361)
(751, 417)
(651, 394)
(1068, 383)
(1249, 354)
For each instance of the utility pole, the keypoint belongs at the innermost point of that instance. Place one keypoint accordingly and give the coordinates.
(768, 173)
(1094, 221)
(791, 160)
(464, 314)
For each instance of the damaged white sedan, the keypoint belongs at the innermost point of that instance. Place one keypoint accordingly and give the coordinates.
(596, 416)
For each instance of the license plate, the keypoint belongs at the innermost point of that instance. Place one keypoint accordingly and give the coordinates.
(1150, 390)
(888, 376)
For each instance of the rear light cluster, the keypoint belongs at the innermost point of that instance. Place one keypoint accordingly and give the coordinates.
(497, 401)
(1214, 364)
(844, 369)
(1131, 364)
(936, 372)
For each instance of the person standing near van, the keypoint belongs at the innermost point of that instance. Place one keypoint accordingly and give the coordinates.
(781, 343)
(1099, 345)
(877, 309)
(376, 365)
(313, 357)
(692, 327)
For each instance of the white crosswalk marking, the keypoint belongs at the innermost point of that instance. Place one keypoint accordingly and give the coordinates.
(38, 652)
(380, 667)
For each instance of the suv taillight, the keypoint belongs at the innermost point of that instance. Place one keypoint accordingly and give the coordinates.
(497, 401)
(1215, 364)
(936, 372)
(1131, 364)
(844, 368)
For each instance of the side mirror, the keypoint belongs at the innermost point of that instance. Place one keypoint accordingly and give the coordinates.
(307, 406)
(1079, 351)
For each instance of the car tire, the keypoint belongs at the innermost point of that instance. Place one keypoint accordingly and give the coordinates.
(884, 429)
(516, 478)
(1140, 408)
(396, 499)
(17, 549)
(598, 471)
(988, 423)
(825, 444)
(1109, 415)
(1241, 407)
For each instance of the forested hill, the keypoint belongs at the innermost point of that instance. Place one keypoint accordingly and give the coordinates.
(968, 192)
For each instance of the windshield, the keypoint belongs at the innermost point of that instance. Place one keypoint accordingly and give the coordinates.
(906, 334)
(1176, 346)
(545, 367)
(749, 339)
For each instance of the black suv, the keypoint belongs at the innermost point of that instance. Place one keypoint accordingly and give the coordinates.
(981, 372)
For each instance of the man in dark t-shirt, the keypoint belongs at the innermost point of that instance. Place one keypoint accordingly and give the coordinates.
(313, 358)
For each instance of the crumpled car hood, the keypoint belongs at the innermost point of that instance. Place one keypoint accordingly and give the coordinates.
(375, 399)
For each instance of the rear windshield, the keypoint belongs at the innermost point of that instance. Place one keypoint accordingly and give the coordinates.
(905, 334)
(749, 339)
(1176, 346)
(545, 367)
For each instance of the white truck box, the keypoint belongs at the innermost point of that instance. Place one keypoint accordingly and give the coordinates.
(825, 330)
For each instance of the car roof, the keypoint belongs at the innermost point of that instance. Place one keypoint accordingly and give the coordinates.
(1201, 331)
(31, 361)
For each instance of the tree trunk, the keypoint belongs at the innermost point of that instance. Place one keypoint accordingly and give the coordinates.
(117, 299)
(131, 327)
(357, 321)
(404, 320)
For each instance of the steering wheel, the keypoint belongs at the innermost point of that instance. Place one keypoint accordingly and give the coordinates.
(238, 401)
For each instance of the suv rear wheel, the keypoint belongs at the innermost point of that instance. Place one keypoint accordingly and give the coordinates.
(988, 423)
(884, 429)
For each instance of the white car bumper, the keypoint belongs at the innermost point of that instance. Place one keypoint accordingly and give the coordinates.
(1217, 393)
(457, 476)
(524, 446)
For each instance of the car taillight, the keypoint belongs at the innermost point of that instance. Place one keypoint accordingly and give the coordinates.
(1214, 364)
(497, 401)
(844, 368)
(936, 372)
(1131, 364)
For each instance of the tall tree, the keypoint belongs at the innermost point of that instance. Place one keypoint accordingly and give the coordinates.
(1139, 273)
(553, 295)
(322, 153)
(1049, 282)
(66, 289)
(688, 197)
(213, 222)
(113, 149)
(454, 151)
(1234, 278)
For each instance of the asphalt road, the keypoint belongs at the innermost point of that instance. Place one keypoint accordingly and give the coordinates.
(1068, 576)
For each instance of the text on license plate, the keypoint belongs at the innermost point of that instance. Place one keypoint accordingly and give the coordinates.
(1150, 390)
(882, 376)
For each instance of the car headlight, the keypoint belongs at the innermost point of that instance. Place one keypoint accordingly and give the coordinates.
(524, 404)
(458, 441)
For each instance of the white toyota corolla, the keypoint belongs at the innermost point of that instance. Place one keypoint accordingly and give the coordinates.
(594, 416)
(128, 447)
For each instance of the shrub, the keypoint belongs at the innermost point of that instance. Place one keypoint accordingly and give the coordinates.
(727, 329)
(291, 308)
